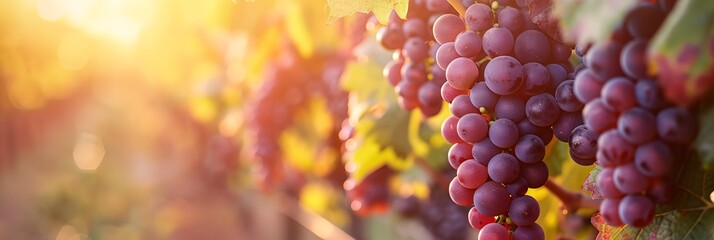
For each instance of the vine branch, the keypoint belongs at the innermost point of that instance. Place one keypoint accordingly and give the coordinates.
(572, 201)
(458, 6)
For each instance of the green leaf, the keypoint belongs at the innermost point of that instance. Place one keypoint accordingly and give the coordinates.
(704, 144)
(681, 52)
(380, 8)
(690, 216)
(590, 20)
(392, 129)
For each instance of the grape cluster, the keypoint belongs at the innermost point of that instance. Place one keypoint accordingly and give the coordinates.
(371, 194)
(412, 71)
(638, 133)
(509, 93)
(444, 219)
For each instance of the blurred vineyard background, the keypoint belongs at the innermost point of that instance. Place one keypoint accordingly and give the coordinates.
(126, 119)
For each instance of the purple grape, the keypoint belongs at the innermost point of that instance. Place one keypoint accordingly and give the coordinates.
(634, 59)
(619, 94)
(604, 60)
(448, 130)
(482, 96)
(606, 184)
(438, 75)
(503, 133)
(530, 149)
(613, 150)
(511, 19)
(429, 94)
(448, 93)
(654, 159)
(511, 107)
(542, 110)
(518, 187)
(461, 105)
(629, 180)
(676, 125)
(459, 194)
(610, 211)
(492, 230)
(414, 72)
(644, 20)
(503, 168)
(565, 125)
(566, 99)
(446, 54)
(559, 52)
(458, 153)
(524, 210)
(479, 17)
(391, 38)
(537, 79)
(536, 174)
(471, 174)
(544, 133)
(472, 127)
(497, 42)
(637, 126)
(530, 232)
(649, 95)
(491, 199)
(477, 220)
(583, 142)
(461, 73)
(636, 211)
(587, 86)
(557, 73)
(414, 27)
(532, 46)
(662, 191)
(484, 150)
(392, 72)
(504, 75)
(416, 49)
(468, 44)
(409, 92)
(447, 27)
(599, 117)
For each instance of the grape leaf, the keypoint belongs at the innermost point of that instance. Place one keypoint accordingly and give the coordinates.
(380, 8)
(556, 154)
(590, 20)
(681, 52)
(589, 184)
(704, 144)
(690, 216)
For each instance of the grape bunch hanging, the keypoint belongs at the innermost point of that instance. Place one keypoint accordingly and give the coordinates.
(640, 136)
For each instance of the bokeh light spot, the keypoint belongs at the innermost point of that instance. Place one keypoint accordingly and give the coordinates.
(88, 152)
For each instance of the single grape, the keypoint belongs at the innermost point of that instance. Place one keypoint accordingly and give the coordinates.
(459, 194)
(537, 79)
(409, 92)
(429, 110)
(634, 59)
(604, 60)
(524, 210)
(438, 75)
(511, 19)
(518, 187)
(472, 127)
(414, 27)
(491, 199)
(557, 73)
(629, 180)
(599, 117)
(468, 44)
(503, 168)
(504, 75)
(654, 159)
(565, 125)
(544, 133)
(479, 17)
(636, 211)
(478, 220)
(559, 52)
(644, 20)
(511, 107)
(429, 94)
(391, 38)
(532, 46)
(581, 161)
(447, 27)
(662, 191)
(416, 49)
(392, 72)
(472, 174)
(461, 73)
(445, 55)
(448, 130)
(461, 105)
(542, 110)
(587, 86)
(458, 153)
(530, 232)
(606, 184)
(649, 95)
(497, 42)
(484, 150)
(637, 126)
(610, 211)
(676, 125)
(530, 149)
(619, 94)
(482, 96)
(536, 174)
(448, 93)
(613, 149)
(493, 231)
(503, 133)
(583, 142)
(414, 73)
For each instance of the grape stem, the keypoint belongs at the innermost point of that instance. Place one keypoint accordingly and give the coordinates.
(458, 6)
(572, 201)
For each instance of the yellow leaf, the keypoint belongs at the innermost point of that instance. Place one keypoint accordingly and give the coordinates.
(297, 28)
(380, 8)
